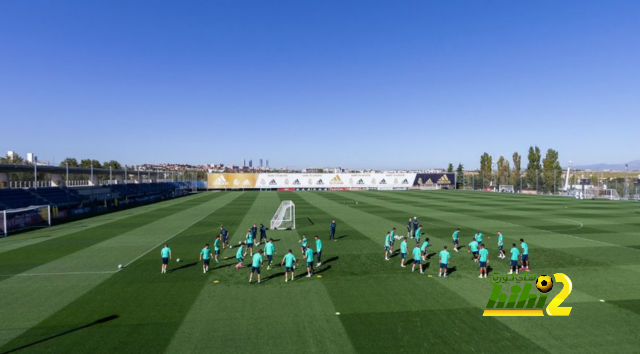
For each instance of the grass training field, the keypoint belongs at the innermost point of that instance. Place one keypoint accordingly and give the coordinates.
(61, 291)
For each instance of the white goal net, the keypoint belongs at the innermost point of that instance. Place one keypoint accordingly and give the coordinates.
(25, 218)
(506, 188)
(285, 217)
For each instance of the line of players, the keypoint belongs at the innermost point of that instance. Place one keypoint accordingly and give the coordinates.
(476, 247)
(222, 241)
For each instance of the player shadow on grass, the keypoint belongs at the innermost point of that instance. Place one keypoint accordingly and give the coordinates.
(96, 322)
(451, 270)
(331, 259)
(342, 236)
(188, 265)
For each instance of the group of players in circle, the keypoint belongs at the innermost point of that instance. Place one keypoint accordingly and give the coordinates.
(517, 260)
(289, 261)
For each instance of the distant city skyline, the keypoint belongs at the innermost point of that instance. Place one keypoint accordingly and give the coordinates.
(400, 86)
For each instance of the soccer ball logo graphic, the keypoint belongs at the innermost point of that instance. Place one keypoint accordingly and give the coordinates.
(544, 283)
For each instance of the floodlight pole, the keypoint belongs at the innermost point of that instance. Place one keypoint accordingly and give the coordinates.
(67, 183)
(626, 182)
(110, 175)
(35, 172)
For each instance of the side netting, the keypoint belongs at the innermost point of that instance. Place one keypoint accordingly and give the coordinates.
(25, 218)
(285, 216)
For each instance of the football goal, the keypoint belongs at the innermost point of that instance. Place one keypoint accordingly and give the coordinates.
(506, 188)
(25, 218)
(285, 217)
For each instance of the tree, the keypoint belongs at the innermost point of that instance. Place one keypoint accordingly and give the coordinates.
(13, 160)
(485, 167)
(533, 167)
(460, 175)
(503, 170)
(516, 172)
(551, 171)
(113, 164)
(88, 163)
(450, 168)
(71, 161)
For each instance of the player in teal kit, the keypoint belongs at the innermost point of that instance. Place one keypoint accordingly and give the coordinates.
(269, 250)
(205, 256)
(309, 254)
(303, 244)
(417, 255)
(166, 257)
(483, 260)
(255, 265)
(473, 248)
(387, 246)
(216, 247)
(403, 251)
(249, 242)
(393, 240)
(479, 236)
(444, 256)
(240, 256)
(525, 255)
(318, 250)
(501, 245)
(513, 261)
(418, 234)
(288, 261)
(455, 236)
(423, 249)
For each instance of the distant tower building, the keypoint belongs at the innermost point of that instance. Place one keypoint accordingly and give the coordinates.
(10, 154)
(267, 163)
(30, 157)
(250, 163)
(244, 162)
(260, 163)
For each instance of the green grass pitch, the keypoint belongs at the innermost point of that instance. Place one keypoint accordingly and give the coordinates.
(61, 291)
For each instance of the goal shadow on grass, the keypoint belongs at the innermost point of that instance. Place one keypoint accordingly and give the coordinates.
(96, 322)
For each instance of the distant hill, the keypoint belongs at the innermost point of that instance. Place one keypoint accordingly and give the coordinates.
(633, 166)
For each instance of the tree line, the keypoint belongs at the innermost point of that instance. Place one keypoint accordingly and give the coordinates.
(543, 174)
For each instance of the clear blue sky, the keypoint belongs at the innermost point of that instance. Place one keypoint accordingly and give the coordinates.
(378, 84)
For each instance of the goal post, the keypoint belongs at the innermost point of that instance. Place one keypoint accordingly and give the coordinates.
(285, 216)
(24, 218)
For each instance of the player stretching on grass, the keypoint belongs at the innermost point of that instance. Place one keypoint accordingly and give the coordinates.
(303, 244)
(483, 260)
(255, 265)
(332, 234)
(205, 256)
(455, 236)
(288, 261)
(473, 248)
(269, 250)
(525, 255)
(423, 249)
(416, 259)
(309, 254)
(318, 250)
(501, 245)
(387, 246)
(444, 261)
(216, 248)
(513, 262)
(403, 251)
(249, 242)
(240, 256)
(225, 237)
(166, 257)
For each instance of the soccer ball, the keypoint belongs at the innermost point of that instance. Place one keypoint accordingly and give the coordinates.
(544, 283)
(230, 246)
(178, 260)
(120, 266)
